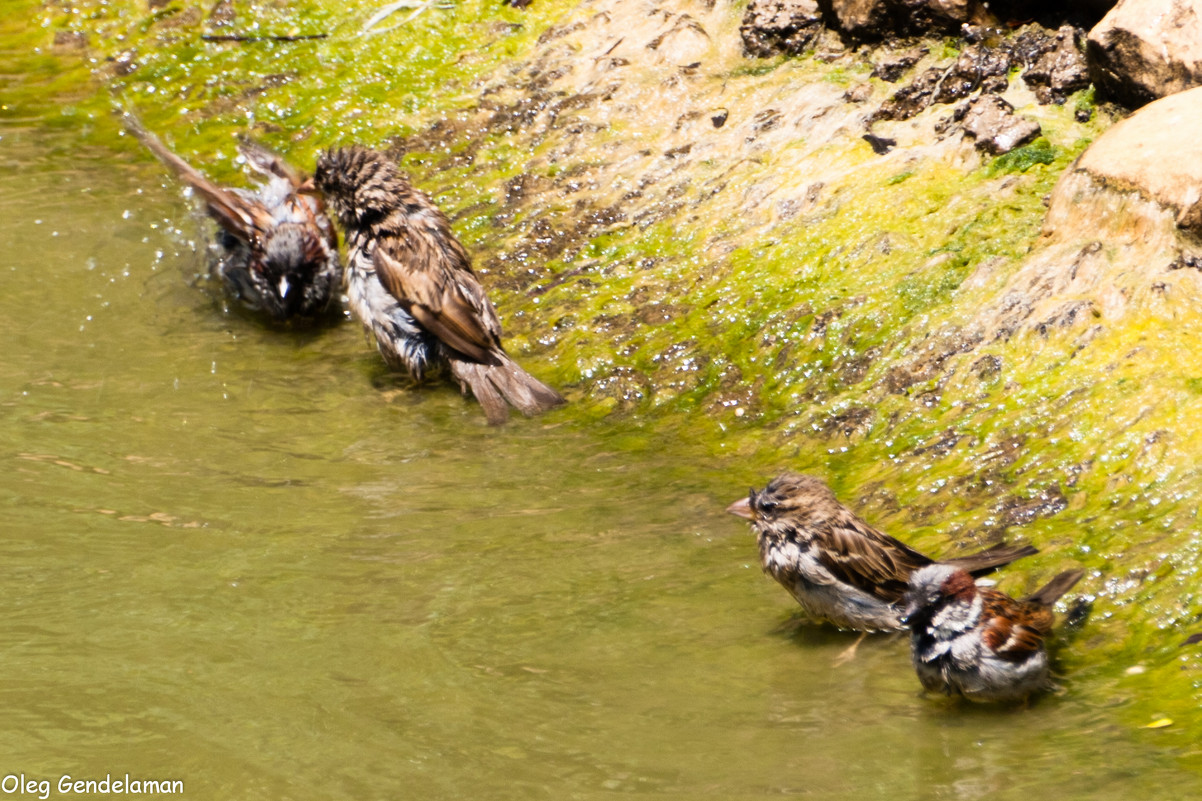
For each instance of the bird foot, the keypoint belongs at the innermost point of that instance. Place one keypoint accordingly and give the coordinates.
(849, 653)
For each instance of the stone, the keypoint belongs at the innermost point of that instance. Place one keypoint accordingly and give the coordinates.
(771, 27)
(891, 66)
(1121, 231)
(1147, 49)
(1156, 153)
(868, 20)
(979, 67)
(1060, 70)
(861, 19)
(991, 121)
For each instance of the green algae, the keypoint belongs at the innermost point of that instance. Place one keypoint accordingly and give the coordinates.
(1021, 159)
(833, 341)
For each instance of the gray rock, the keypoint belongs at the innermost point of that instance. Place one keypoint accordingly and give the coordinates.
(991, 121)
(1060, 70)
(979, 67)
(890, 66)
(780, 26)
(1146, 49)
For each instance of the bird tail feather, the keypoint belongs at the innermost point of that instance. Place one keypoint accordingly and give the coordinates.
(991, 558)
(503, 384)
(1049, 593)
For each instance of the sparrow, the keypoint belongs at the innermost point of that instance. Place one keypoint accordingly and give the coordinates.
(978, 642)
(410, 282)
(840, 569)
(276, 250)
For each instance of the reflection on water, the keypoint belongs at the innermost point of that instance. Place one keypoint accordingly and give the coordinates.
(246, 559)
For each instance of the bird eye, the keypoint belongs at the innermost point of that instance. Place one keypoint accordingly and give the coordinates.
(768, 506)
(933, 597)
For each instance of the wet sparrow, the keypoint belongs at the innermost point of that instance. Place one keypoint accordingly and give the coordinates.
(839, 568)
(411, 284)
(979, 642)
(276, 250)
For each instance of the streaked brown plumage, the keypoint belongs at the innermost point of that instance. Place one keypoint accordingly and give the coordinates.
(979, 642)
(276, 251)
(839, 568)
(411, 283)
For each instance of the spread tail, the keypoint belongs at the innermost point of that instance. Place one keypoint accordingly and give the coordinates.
(503, 384)
(990, 559)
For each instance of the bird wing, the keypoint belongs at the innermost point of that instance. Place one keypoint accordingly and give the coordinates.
(1014, 630)
(241, 218)
(436, 286)
(268, 162)
(870, 560)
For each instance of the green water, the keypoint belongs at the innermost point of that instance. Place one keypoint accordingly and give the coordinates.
(249, 560)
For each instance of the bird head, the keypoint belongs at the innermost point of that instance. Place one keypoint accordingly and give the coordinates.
(359, 184)
(934, 590)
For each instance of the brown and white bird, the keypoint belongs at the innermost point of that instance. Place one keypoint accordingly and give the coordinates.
(276, 250)
(411, 283)
(978, 642)
(839, 568)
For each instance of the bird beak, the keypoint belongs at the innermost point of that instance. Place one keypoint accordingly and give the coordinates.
(742, 508)
(308, 187)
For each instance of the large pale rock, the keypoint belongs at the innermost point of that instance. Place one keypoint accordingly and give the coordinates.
(1120, 232)
(1156, 153)
(1145, 49)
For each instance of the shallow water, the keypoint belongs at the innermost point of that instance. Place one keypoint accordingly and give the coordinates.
(247, 559)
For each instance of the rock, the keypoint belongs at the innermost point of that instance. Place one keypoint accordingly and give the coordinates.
(912, 98)
(1031, 44)
(1156, 153)
(861, 19)
(946, 15)
(780, 26)
(978, 67)
(1146, 49)
(891, 66)
(1121, 229)
(991, 121)
(1061, 69)
(880, 19)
